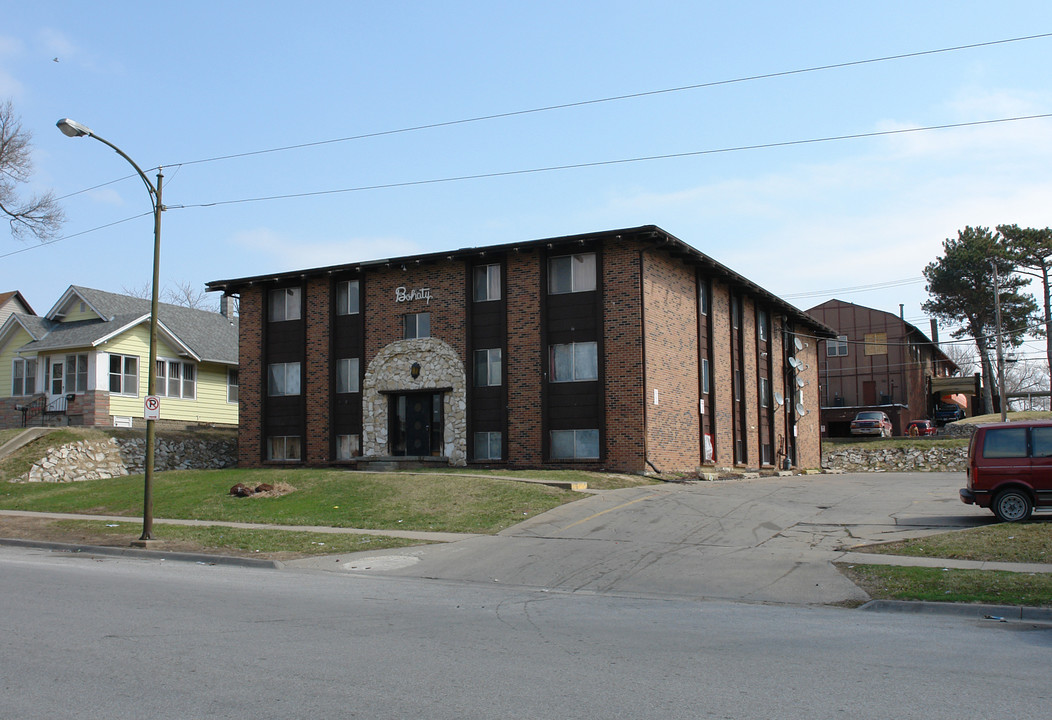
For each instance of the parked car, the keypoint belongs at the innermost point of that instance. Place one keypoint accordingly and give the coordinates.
(1010, 469)
(871, 422)
(948, 412)
(921, 428)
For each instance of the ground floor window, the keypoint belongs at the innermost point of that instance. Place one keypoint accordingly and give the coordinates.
(575, 444)
(76, 374)
(346, 447)
(284, 447)
(231, 386)
(24, 377)
(488, 446)
(176, 379)
(124, 374)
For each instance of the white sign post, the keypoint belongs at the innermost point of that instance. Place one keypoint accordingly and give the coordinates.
(152, 408)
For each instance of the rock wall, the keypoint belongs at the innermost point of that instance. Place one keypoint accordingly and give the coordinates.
(934, 459)
(97, 459)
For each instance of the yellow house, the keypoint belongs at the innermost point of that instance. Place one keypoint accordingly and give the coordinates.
(85, 363)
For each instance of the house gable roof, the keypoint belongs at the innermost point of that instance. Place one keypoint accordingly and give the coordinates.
(201, 334)
(16, 296)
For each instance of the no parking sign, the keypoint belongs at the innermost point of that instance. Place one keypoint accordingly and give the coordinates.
(152, 408)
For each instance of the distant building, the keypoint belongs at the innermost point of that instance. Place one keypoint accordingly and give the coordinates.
(627, 350)
(86, 362)
(877, 361)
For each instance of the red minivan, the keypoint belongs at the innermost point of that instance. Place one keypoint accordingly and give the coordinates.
(1010, 468)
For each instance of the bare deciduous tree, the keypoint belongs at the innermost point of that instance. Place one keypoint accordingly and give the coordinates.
(37, 215)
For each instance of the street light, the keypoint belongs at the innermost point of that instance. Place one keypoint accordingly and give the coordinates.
(72, 128)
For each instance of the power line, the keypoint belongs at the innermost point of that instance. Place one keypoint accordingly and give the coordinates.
(615, 98)
(622, 161)
(856, 288)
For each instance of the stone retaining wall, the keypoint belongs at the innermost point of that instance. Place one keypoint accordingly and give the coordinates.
(897, 460)
(97, 459)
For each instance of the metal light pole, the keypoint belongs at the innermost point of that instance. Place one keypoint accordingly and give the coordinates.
(72, 128)
(1000, 347)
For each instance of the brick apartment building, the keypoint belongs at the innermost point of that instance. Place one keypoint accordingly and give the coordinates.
(626, 350)
(878, 361)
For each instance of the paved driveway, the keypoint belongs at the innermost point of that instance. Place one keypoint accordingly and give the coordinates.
(761, 540)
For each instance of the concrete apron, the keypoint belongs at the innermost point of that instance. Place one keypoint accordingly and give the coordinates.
(760, 540)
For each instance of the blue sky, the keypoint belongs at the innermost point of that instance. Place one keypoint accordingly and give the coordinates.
(174, 85)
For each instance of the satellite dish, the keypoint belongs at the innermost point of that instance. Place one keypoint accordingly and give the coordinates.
(801, 412)
(800, 383)
(778, 398)
(794, 363)
(799, 345)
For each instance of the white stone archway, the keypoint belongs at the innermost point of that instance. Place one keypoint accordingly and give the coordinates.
(391, 371)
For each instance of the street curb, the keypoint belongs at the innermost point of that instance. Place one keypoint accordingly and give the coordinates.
(996, 613)
(199, 558)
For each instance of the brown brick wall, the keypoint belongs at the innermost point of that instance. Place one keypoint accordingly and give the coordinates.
(625, 444)
(318, 371)
(250, 439)
(722, 376)
(525, 361)
(673, 428)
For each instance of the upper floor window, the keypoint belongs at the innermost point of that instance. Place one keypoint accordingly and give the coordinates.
(876, 343)
(347, 297)
(176, 379)
(574, 362)
(231, 386)
(417, 325)
(487, 367)
(24, 377)
(571, 273)
(285, 304)
(487, 283)
(838, 347)
(765, 392)
(347, 375)
(703, 296)
(762, 331)
(705, 376)
(283, 379)
(124, 374)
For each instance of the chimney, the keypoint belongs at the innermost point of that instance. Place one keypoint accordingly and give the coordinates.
(902, 313)
(935, 331)
(224, 306)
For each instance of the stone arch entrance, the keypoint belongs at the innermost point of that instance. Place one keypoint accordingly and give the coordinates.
(438, 370)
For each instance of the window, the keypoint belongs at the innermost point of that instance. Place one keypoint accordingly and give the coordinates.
(838, 347)
(124, 374)
(285, 304)
(487, 368)
(417, 325)
(1041, 442)
(571, 273)
(705, 375)
(488, 446)
(283, 379)
(765, 392)
(876, 343)
(1005, 443)
(176, 379)
(575, 444)
(574, 362)
(347, 375)
(24, 377)
(346, 447)
(76, 373)
(231, 386)
(347, 298)
(761, 326)
(703, 297)
(487, 283)
(283, 447)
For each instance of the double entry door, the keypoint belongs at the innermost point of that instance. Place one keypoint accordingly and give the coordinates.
(416, 424)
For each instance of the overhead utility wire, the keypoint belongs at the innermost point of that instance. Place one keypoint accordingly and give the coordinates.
(622, 161)
(856, 288)
(616, 98)
(76, 234)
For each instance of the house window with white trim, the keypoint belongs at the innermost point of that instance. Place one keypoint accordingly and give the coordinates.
(285, 304)
(571, 274)
(284, 448)
(176, 379)
(574, 362)
(347, 375)
(232, 390)
(124, 374)
(838, 347)
(24, 377)
(76, 373)
(347, 297)
(283, 379)
(575, 444)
